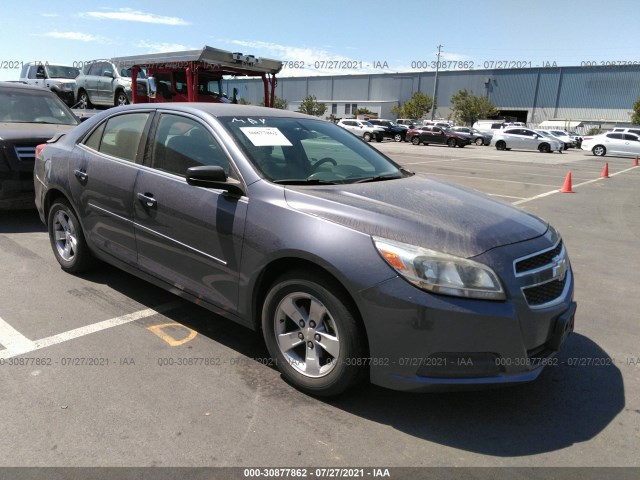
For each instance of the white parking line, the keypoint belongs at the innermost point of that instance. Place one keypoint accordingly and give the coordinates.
(489, 179)
(504, 196)
(546, 194)
(18, 344)
(11, 338)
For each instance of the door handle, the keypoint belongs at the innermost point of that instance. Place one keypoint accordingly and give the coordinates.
(81, 174)
(147, 199)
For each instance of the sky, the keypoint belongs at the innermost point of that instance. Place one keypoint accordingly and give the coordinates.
(324, 37)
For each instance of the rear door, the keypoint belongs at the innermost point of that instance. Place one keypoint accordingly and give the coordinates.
(187, 236)
(102, 177)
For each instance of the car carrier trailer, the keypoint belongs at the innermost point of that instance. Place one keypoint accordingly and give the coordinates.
(196, 75)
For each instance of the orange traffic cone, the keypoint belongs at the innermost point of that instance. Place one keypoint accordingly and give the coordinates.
(566, 188)
(635, 162)
(605, 171)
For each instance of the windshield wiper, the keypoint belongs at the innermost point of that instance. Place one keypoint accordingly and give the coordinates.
(379, 178)
(304, 181)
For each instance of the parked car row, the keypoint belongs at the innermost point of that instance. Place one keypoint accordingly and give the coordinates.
(100, 82)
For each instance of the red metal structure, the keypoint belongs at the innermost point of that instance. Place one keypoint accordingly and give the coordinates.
(196, 75)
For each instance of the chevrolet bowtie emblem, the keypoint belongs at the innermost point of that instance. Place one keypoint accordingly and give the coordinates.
(560, 268)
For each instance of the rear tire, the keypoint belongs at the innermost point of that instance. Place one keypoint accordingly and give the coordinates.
(312, 335)
(67, 238)
(599, 151)
(367, 137)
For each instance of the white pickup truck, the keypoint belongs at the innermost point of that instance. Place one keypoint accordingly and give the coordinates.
(60, 79)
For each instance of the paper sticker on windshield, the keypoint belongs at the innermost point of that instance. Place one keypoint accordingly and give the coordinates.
(266, 136)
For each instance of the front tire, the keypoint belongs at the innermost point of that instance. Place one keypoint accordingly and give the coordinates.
(120, 99)
(415, 140)
(501, 145)
(83, 100)
(312, 334)
(479, 142)
(397, 137)
(599, 151)
(451, 142)
(544, 148)
(67, 238)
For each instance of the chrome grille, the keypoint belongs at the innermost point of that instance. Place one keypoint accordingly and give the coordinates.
(544, 275)
(25, 152)
(545, 293)
(538, 260)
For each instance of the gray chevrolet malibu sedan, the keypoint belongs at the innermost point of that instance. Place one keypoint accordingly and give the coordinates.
(350, 265)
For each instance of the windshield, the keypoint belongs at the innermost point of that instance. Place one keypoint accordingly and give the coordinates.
(126, 72)
(29, 107)
(59, 71)
(296, 150)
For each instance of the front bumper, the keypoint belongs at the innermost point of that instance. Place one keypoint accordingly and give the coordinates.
(424, 342)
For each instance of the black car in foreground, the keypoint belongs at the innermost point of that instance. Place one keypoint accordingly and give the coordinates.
(29, 116)
(351, 266)
(392, 129)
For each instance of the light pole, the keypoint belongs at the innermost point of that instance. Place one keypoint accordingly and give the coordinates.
(435, 84)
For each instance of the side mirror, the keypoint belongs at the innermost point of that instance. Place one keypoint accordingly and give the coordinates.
(153, 87)
(108, 73)
(213, 177)
(40, 75)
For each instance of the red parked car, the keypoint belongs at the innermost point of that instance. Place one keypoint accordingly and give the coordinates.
(433, 134)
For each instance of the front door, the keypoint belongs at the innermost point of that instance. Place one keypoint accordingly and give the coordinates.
(190, 237)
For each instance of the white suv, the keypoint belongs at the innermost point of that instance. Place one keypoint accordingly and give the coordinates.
(60, 79)
(362, 129)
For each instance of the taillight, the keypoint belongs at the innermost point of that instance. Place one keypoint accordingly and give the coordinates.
(39, 148)
(587, 138)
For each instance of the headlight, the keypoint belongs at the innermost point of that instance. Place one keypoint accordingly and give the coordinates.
(439, 272)
(67, 87)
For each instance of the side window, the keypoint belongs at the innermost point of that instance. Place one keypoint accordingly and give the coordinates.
(181, 142)
(122, 135)
(616, 136)
(634, 131)
(94, 69)
(93, 141)
(32, 72)
(630, 137)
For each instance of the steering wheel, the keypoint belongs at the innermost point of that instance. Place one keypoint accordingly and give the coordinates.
(322, 161)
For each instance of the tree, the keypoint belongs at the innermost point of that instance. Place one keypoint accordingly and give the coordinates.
(364, 111)
(635, 116)
(280, 103)
(468, 108)
(311, 106)
(416, 107)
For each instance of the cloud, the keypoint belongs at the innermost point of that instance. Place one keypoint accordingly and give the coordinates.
(83, 37)
(130, 15)
(161, 47)
(302, 62)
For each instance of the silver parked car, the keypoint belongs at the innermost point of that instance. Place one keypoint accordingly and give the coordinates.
(351, 266)
(103, 82)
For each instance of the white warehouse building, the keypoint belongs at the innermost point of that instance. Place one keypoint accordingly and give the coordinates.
(572, 96)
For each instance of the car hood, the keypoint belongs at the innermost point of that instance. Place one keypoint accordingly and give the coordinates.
(30, 131)
(420, 211)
